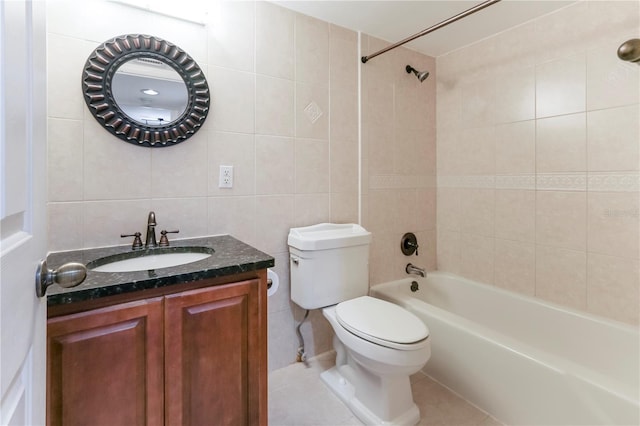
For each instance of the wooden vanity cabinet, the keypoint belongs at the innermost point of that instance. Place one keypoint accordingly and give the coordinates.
(212, 356)
(196, 357)
(106, 366)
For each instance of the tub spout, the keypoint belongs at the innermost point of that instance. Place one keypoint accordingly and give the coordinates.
(415, 270)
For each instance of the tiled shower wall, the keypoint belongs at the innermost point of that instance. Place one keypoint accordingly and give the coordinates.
(398, 158)
(265, 65)
(538, 160)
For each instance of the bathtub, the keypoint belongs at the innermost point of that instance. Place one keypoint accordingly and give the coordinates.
(522, 360)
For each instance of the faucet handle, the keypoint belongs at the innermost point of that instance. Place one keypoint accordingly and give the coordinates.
(409, 244)
(137, 241)
(164, 241)
(414, 246)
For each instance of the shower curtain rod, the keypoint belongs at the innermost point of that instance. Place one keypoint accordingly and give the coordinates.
(444, 23)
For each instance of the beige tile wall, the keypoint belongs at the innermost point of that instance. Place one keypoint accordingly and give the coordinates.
(398, 158)
(264, 66)
(538, 160)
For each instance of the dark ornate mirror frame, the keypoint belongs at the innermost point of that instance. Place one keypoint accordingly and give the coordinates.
(96, 85)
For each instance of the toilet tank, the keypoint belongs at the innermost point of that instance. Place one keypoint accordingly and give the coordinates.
(329, 264)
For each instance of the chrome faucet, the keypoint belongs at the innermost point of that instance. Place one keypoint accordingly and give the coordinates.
(415, 270)
(150, 239)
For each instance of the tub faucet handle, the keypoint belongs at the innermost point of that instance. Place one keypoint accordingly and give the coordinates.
(409, 244)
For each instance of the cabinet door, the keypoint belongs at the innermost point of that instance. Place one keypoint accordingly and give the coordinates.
(105, 367)
(213, 356)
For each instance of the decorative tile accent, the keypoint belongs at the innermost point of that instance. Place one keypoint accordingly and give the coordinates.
(516, 181)
(614, 182)
(561, 181)
(313, 112)
(479, 181)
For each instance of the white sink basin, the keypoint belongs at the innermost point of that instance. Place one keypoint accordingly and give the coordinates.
(150, 261)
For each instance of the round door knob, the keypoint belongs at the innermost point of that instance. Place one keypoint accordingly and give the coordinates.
(68, 275)
(630, 50)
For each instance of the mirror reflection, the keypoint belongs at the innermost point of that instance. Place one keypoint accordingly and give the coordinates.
(149, 91)
(145, 90)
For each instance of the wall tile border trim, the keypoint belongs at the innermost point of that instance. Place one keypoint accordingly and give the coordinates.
(561, 181)
(578, 181)
(615, 182)
(516, 182)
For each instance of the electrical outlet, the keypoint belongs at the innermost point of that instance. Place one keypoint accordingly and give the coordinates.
(226, 177)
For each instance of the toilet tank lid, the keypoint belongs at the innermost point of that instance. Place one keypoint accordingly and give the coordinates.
(327, 236)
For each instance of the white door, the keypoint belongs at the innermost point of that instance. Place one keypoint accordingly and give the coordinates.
(23, 227)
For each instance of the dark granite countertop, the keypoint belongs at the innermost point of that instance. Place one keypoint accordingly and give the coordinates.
(230, 257)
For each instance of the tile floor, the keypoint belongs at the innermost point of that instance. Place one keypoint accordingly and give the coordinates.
(297, 397)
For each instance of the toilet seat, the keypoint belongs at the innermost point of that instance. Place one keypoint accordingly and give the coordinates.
(383, 323)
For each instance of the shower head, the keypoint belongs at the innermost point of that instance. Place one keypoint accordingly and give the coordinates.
(422, 75)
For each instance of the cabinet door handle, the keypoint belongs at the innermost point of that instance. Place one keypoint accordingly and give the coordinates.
(68, 275)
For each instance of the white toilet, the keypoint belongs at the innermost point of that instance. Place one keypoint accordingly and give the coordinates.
(378, 344)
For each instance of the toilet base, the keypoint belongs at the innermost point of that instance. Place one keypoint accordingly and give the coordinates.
(344, 390)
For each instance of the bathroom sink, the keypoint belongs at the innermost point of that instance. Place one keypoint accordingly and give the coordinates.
(150, 259)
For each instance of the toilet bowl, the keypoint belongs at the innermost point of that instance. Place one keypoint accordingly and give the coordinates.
(372, 369)
(378, 344)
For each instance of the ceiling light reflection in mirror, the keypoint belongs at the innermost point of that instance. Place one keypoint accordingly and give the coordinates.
(149, 91)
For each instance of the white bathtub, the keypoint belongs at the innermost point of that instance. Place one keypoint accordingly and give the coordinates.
(522, 360)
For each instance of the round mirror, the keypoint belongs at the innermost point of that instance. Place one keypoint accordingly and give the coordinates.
(149, 91)
(145, 90)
